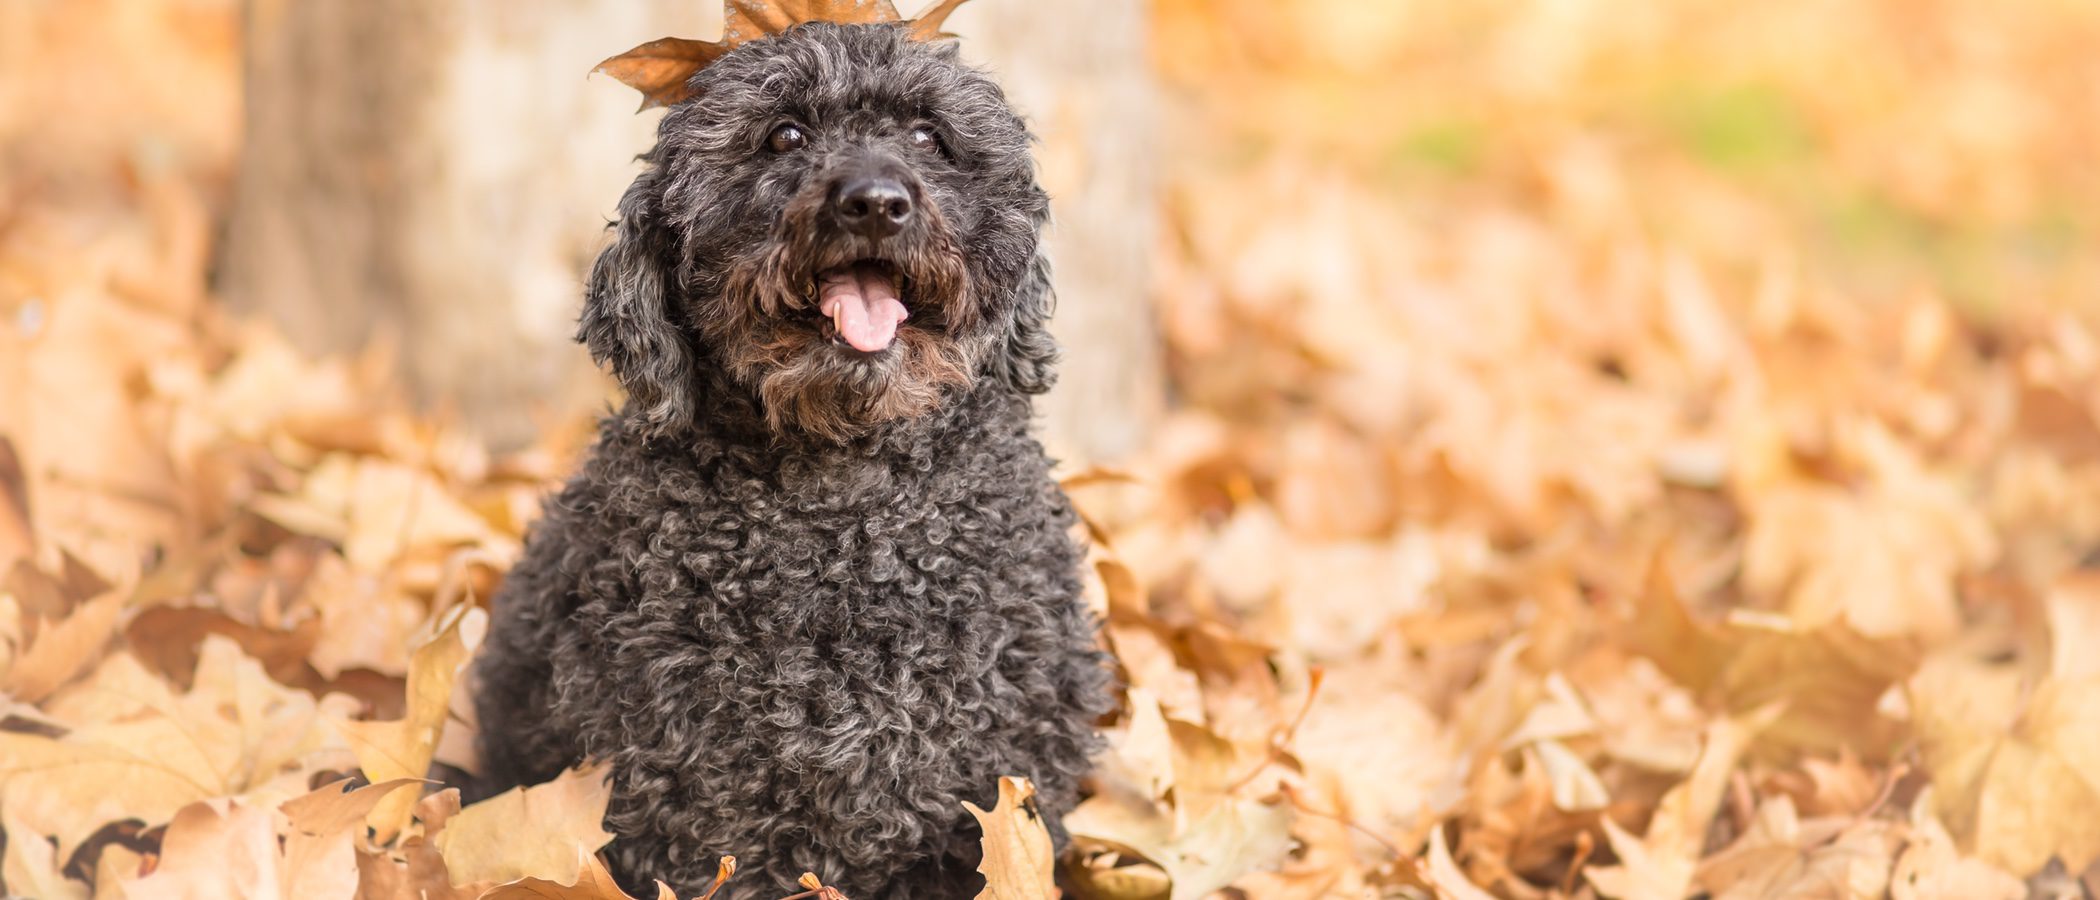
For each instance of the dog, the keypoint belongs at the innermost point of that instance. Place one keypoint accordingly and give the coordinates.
(814, 586)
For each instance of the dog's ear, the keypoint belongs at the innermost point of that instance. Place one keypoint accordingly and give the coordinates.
(1028, 362)
(628, 323)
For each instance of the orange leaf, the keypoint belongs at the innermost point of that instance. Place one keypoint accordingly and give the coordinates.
(1017, 856)
(661, 68)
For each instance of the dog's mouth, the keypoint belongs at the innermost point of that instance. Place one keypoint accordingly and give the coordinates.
(863, 303)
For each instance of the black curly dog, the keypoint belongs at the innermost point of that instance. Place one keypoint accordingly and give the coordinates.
(814, 587)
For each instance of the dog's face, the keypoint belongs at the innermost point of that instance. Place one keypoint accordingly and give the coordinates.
(845, 222)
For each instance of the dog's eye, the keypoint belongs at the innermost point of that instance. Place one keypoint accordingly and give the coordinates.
(925, 138)
(787, 139)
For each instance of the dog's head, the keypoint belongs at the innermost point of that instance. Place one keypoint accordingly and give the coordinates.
(845, 222)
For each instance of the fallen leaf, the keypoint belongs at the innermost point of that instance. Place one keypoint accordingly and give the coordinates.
(1018, 860)
(1643, 872)
(592, 882)
(140, 751)
(541, 832)
(1932, 868)
(215, 850)
(403, 748)
(2012, 774)
(1200, 855)
(1443, 874)
(1660, 865)
(321, 832)
(1830, 679)
(1781, 856)
(395, 509)
(64, 649)
(31, 867)
(1882, 560)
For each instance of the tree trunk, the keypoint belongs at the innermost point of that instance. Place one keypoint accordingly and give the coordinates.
(1078, 69)
(438, 173)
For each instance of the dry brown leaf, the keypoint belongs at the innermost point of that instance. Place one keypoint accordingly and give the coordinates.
(1882, 559)
(1367, 720)
(395, 509)
(1576, 787)
(413, 869)
(322, 830)
(235, 733)
(541, 832)
(1782, 856)
(1200, 854)
(1830, 679)
(64, 649)
(661, 68)
(2014, 775)
(1141, 752)
(215, 850)
(1442, 873)
(593, 882)
(1932, 868)
(364, 623)
(1643, 872)
(31, 867)
(1333, 485)
(1018, 861)
(1660, 865)
(404, 748)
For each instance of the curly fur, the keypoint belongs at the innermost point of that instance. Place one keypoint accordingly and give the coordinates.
(808, 601)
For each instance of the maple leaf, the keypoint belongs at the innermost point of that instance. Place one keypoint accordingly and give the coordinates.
(1783, 856)
(661, 68)
(403, 748)
(1017, 855)
(1830, 677)
(1661, 864)
(136, 749)
(1201, 851)
(64, 649)
(593, 882)
(228, 849)
(1443, 873)
(2017, 771)
(1931, 868)
(539, 832)
(321, 831)
(1883, 559)
(31, 865)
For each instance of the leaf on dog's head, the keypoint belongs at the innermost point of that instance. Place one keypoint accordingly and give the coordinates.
(661, 68)
(927, 27)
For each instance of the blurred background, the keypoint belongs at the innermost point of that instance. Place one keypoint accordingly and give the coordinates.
(1660, 366)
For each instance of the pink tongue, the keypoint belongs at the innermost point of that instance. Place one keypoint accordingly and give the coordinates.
(862, 303)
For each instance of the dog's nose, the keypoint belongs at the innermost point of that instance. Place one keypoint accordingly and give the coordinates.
(874, 207)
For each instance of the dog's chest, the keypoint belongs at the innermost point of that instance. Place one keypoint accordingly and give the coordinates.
(895, 619)
(830, 557)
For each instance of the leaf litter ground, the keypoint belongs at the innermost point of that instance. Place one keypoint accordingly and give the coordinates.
(1648, 459)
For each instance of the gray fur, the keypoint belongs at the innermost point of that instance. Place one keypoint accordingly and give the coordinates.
(806, 601)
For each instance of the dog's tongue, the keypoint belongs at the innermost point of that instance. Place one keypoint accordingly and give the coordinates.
(862, 303)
